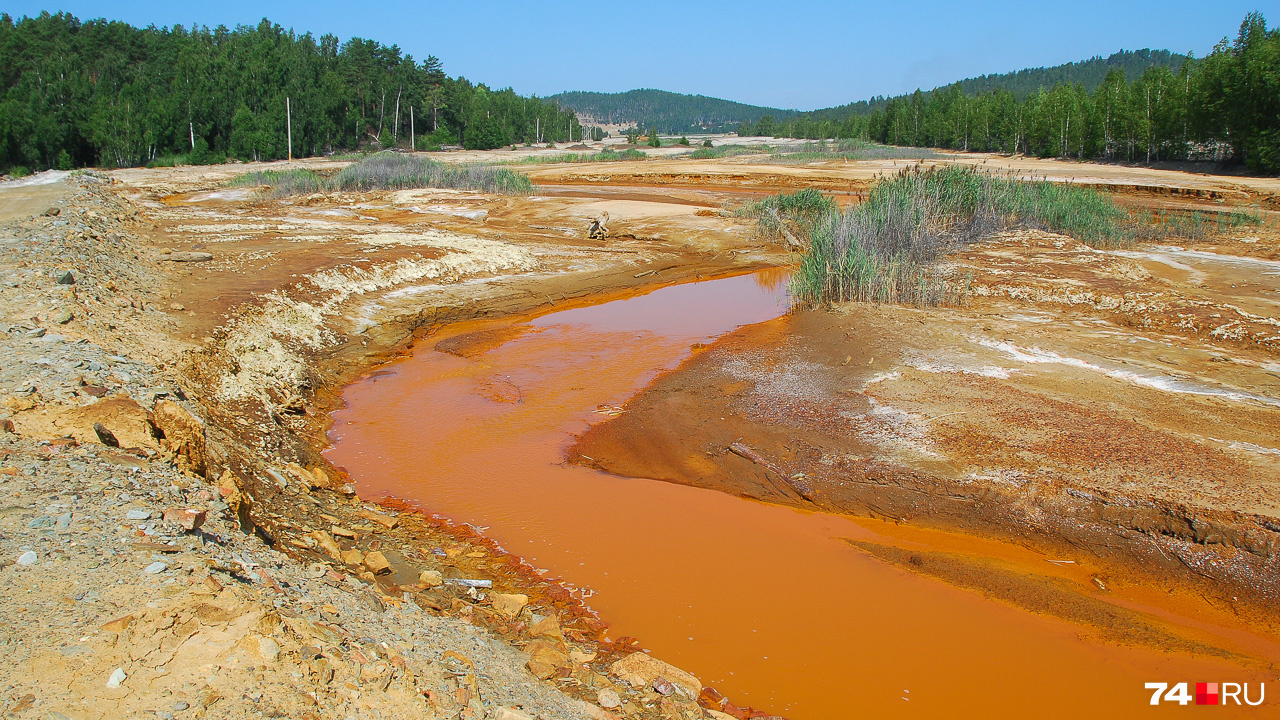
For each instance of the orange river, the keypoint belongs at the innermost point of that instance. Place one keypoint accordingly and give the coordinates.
(765, 603)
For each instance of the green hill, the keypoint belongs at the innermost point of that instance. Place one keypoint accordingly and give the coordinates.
(679, 113)
(1089, 73)
(667, 111)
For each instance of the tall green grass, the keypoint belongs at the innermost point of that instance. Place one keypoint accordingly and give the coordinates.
(790, 217)
(721, 151)
(888, 248)
(391, 171)
(284, 182)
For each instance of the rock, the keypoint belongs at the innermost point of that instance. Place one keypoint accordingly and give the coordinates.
(545, 659)
(27, 558)
(353, 557)
(117, 677)
(711, 698)
(63, 522)
(138, 515)
(663, 686)
(511, 714)
(548, 626)
(263, 649)
(326, 543)
(183, 435)
(156, 568)
(385, 520)
(120, 624)
(67, 278)
(431, 578)
(178, 307)
(608, 698)
(105, 436)
(641, 670)
(52, 212)
(61, 316)
(187, 256)
(717, 715)
(180, 706)
(189, 518)
(509, 605)
(377, 563)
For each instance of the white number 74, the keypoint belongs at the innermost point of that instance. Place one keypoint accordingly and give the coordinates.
(1179, 693)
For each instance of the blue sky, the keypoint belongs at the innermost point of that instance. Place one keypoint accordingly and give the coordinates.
(800, 55)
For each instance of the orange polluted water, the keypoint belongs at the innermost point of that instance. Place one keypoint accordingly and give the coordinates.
(765, 603)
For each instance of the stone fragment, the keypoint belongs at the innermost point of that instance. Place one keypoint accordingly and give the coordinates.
(120, 624)
(608, 698)
(156, 568)
(117, 677)
(385, 520)
(548, 626)
(187, 256)
(545, 659)
(509, 605)
(138, 515)
(326, 543)
(511, 714)
(27, 558)
(377, 563)
(105, 436)
(66, 278)
(663, 686)
(431, 578)
(189, 518)
(263, 649)
(641, 670)
(353, 557)
(61, 316)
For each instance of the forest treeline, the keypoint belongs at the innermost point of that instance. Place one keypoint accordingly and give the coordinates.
(1224, 106)
(105, 93)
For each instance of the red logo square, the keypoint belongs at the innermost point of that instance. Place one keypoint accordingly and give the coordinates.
(1206, 693)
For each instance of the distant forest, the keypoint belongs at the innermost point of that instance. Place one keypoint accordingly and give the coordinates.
(105, 93)
(1225, 106)
(667, 112)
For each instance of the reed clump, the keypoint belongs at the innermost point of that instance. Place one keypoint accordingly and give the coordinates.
(888, 248)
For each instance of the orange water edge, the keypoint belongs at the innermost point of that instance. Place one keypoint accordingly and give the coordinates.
(766, 603)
